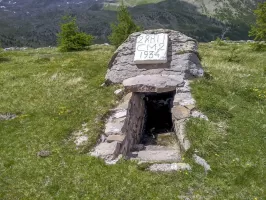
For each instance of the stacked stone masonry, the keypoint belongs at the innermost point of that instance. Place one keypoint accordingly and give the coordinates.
(124, 127)
(182, 59)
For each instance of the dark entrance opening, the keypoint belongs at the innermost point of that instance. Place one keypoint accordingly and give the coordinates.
(158, 117)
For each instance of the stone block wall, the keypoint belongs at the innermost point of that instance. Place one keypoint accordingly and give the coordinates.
(134, 122)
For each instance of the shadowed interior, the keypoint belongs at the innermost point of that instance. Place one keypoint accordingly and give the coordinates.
(158, 118)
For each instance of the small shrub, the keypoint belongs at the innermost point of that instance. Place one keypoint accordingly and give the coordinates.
(124, 28)
(2, 58)
(219, 42)
(233, 56)
(258, 30)
(260, 93)
(42, 60)
(1, 50)
(258, 46)
(70, 38)
(208, 75)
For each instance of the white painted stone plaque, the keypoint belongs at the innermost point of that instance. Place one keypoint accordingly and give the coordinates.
(151, 49)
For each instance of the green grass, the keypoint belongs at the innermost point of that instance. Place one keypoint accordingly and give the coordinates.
(54, 93)
(234, 142)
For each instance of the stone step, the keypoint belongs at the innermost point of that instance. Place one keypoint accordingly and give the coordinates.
(153, 153)
(158, 148)
(153, 83)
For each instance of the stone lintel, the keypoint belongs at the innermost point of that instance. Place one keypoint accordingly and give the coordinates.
(152, 83)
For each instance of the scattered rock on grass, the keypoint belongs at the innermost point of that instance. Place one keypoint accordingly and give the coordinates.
(167, 167)
(202, 162)
(81, 140)
(113, 161)
(54, 76)
(198, 114)
(80, 137)
(43, 153)
(119, 92)
(7, 116)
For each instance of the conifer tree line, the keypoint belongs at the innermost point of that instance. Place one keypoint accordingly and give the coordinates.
(258, 31)
(71, 39)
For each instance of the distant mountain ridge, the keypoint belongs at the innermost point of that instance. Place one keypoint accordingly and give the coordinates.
(35, 22)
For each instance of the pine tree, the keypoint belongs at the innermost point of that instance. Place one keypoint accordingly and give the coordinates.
(1, 51)
(124, 28)
(259, 30)
(70, 38)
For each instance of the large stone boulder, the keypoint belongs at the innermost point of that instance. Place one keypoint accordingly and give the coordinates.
(182, 58)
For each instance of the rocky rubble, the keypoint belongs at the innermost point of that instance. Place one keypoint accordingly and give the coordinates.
(7, 116)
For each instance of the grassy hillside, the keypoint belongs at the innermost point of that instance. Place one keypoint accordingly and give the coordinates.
(54, 93)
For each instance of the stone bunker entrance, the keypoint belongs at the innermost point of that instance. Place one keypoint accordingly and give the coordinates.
(158, 116)
(149, 127)
(155, 67)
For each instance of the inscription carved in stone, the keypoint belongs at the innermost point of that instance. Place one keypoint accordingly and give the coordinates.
(151, 49)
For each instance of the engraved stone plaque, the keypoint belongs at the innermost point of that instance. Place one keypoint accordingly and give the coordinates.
(151, 49)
